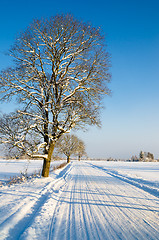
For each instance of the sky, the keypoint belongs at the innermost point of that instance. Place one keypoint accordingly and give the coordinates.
(130, 120)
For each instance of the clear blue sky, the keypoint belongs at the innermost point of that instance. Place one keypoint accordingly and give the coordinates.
(130, 121)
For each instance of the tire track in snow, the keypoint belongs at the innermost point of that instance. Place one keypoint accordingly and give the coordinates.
(95, 229)
(140, 211)
(132, 181)
(88, 203)
(85, 213)
(64, 225)
(14, 225)
(93, 207)
(72, 213)
(53, 229)
(115, 230)
(87, 218)
(20, 203)
(102, 215)
(134, 185)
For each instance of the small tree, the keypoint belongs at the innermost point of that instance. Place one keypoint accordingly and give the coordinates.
(150, 156)
(80, 151)
(59, 79)
(68, 145)
(141, 156)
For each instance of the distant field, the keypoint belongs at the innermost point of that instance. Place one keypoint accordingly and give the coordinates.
(11, 168)
(141, 170)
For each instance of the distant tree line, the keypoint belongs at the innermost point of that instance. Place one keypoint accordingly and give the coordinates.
(146, 156)
(143, 157)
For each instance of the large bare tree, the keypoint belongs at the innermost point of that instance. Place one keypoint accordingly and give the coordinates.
(59, 78)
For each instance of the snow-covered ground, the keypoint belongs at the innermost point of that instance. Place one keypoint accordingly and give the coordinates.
(145, 170)
(84, 200)
(13, 168)
(142, 174)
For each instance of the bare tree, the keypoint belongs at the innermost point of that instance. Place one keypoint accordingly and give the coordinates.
(80, 150)
(59, 79)
(68, 145)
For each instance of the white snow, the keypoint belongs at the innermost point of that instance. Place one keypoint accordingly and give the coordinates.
(13, 168)
(144, 170)
(85, 200)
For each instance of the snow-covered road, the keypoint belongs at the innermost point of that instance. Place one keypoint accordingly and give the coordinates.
(83, 201)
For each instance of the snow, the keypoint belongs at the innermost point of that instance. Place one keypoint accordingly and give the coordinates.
(144, 175)
(85, 200)
(145, 170)
(13, 168)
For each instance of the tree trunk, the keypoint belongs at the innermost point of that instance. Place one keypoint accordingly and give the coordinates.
(68, 159)
(46, 167)
(47, 161)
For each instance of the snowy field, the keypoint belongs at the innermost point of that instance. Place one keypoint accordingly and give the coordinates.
(13, 168)
(142, 174)
(84, 201)
(142, 170)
